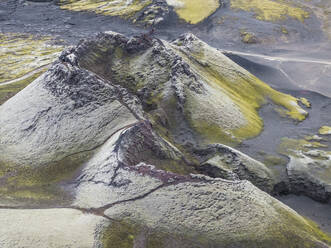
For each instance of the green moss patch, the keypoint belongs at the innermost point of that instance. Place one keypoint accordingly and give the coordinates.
(123, 234)
(119, 234)
(192, 11)
(284, 30)
(288, 230)
(324, 130)
(301, 232)
(243, 90)
(224, 108)
(293, 146)
(124, 9)
(271, 10)
(305, 102)
(248, 37)
(9, 90)
(38, 183)
(272, 160)
(23, 53)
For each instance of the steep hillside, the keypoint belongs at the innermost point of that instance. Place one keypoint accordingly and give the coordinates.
(112, 137)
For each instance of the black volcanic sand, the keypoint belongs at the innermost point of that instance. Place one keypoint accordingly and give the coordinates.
(276, 126)
(221, 30)
(290, 75)
(46, 18)
(318, 212)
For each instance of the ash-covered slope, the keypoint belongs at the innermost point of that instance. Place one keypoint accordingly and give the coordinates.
(116, 131)
(211, 94)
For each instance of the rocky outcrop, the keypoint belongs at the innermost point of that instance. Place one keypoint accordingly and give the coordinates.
(113, 124)
(67, 114)
(213, 211)
(119, 171)
(156, 13)
(309, 174)
(61, 98)
(141, 11)
(149, 203)
(187, 84)
(309, 168)
(147, 12)
(225, 162)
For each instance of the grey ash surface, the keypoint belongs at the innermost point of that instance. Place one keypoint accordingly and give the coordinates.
(301, 79)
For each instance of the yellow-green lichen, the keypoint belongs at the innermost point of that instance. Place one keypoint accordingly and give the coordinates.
(314, 138)
(324, 130)
(121, 8)
(38, 183)
(192, 11)
(272, 160)
(288, 229)
(294, 146)
(23, 53)
(305, 102)
(248, 37)
(246, 92)
(301, 231)
(226, 109)
(319, 155)
(119, 234)
(214, 133)
(32, 195)
(316, 230)
(271, 10)
(322, 9)
(123, 234)
(172, 164)
(9, 90)
(284, 30)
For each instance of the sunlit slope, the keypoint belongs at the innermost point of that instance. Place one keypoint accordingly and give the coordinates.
(23, 57)
(194, 11)
(270, 10)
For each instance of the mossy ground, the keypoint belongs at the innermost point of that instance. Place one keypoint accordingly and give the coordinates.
(127, 234)
(284, 30)
(324, 130)
(305, 102)
(273, 160)
(192, 11)
(301, 232)
(23, 53)
(39, 184)
(123, 234)
(174, 165)
(314, 154)
(245, 90)
(224, 78)
(214, 133)
(113, 7)
(247, 37)
(9, 90)
(289, 230)
(293, 146)
(271, 10)
(314, 138)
